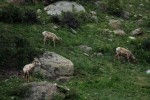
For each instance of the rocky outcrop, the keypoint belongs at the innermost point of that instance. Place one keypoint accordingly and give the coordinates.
(43, 91)
(54, 66)
(63, 6)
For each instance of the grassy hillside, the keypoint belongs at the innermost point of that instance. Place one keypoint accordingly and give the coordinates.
(95, 78)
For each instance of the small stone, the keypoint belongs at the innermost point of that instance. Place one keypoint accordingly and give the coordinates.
(95, 18)
(55, 27)
(39, 17)
(85, 48)
(132, 38)
(125, 14)
(142, 4)
(137, 32)
(115, 24)
(148, 71)
(99, 54)
(86, 54)
(93, 13)
(119, 32)
(110, 40)
(39, 11)
(73, 31)
(130, 5)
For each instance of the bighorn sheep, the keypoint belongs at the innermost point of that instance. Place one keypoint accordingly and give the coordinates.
(51, 36)
(29, 68)
(120, 51)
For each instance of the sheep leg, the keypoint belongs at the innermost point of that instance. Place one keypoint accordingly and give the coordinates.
(44, 40)
(128, 58)
(116, 56)
(54, 42)
(28, 77)
(25, 76)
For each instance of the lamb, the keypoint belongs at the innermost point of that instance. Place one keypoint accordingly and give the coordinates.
(27, 69)
(51, 36)
(120, 51)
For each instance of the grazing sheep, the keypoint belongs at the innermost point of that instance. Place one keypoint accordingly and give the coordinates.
(29, 68)
(51, 36)
(120, 51)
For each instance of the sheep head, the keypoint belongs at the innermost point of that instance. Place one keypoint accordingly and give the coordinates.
(36, 62)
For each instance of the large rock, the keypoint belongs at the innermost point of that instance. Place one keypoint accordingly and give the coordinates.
(63, 6)
(115, 24)
(42, 91)
(54, 66)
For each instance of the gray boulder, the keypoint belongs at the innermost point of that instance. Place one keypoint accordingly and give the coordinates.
(39, 91)
(63, 6)
(43, 91)
(54, 66)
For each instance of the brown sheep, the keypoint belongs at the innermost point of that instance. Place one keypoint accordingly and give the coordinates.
(29, 68)
(51, 36)
(120, 51)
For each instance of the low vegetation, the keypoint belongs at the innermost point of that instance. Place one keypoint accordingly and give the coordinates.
(95, 77)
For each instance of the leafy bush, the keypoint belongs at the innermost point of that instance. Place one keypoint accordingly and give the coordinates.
(14, 14)
(114, 7)
(16, 52)
(11, 14)
(142, 48)
(146, 44)
(30, 16)
(72, 95)
(71, 19)
(146, 22)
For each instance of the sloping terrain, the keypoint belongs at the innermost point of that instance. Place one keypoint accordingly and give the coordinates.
(96, 77)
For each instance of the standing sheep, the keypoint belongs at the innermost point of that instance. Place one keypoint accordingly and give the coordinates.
(120, 51)
(29, 68)
(51, 36)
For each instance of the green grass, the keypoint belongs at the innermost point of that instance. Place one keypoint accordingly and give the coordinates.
(95, 78)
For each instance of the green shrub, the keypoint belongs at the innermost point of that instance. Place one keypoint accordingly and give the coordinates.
(11, 14)
(72, 95)
(146, 44)
(71, 19)
(16, 53)
(30, 16)
(14, 14)
(142, 48)
(114, 7)
(147, 22)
